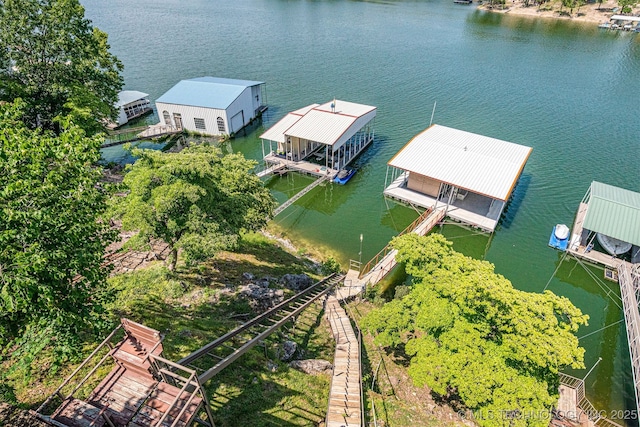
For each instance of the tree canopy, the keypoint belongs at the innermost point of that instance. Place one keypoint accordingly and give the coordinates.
(58, 63)
(51, 241)
(474, 338)
(197, 200)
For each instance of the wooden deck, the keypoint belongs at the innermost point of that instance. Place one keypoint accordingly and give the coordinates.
(143, 389)
(302, 166)
(474, 210)
(580, 251)
(345, 396)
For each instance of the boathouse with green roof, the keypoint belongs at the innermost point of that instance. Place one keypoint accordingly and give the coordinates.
(610, 216)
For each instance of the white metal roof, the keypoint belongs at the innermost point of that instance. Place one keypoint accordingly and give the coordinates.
(625, 18)
(128, 96)
(346, 108)
(321, 126)
(304, 110)
(276, 132)
(466, 160)
(318, 123)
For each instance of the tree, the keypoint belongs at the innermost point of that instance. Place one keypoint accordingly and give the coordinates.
(58, 63)
(196, 200)
(472, 337)
(626, 6)
(51, 241)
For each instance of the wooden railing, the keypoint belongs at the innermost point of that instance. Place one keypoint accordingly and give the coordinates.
(597, 417)
(385, 251)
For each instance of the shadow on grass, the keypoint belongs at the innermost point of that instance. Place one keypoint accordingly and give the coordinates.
(254, 406)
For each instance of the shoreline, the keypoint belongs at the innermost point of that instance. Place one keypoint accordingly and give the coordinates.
(589, 13)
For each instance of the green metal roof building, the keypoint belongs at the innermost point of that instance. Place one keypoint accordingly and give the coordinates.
(613, 211)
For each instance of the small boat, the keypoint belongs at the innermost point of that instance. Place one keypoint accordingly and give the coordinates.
(559, 238)
(613, 246)
(463, 1)
(344, 175)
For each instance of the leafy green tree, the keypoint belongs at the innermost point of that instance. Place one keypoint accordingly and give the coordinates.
(626, 6)
(51, 241)
(473, 338)
(196, 200)
(58, 63)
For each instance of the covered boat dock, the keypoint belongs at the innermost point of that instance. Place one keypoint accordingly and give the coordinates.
(469, 175)
(319, 139)
(610, 211)
(615, 213)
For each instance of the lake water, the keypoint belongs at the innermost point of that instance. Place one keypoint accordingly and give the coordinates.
(568, 90)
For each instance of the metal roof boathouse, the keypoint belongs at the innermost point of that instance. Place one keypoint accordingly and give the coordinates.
(319, 139)
(611, 214)
(131, 104)
(471, 176)
(211, 105)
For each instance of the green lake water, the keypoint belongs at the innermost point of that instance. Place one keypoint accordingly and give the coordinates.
(566, 89)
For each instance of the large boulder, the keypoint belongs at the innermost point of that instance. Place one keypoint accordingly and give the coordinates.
(262, 297)
(288, 350)
(311, 366)
(296, 282)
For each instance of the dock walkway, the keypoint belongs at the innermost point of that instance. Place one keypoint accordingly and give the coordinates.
(345, 396)
(385, 261)
(125, 135)
(297, 196)
(629, 281)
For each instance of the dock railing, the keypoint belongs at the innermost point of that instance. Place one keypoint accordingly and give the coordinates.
(629, 280)
(385, 251)
(595, 416)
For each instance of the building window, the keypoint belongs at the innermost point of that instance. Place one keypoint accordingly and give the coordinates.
(177, 118)
(199, 124)
(167, 118)
(221, 125)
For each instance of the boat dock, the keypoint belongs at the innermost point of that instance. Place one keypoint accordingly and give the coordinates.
(472, 176)
(611, 211)
(319, 139)
(469, 208)
(277, 163)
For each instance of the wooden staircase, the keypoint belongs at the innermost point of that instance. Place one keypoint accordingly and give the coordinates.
(142, 390)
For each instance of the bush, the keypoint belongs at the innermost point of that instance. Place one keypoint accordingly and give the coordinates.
(330, 266)
(401, 291)
(7, 393)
